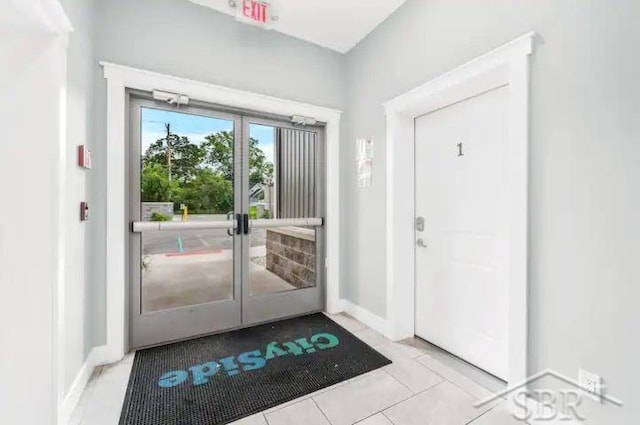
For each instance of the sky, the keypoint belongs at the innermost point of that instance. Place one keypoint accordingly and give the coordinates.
(196, 128)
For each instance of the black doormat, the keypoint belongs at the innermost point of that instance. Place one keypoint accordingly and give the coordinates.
(222, 378)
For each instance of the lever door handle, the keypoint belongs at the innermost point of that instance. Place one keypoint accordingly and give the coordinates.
(421, 243)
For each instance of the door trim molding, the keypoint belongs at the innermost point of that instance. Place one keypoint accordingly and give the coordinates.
(119, 79)
(506, 65)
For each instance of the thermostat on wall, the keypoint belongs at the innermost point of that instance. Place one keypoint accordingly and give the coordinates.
(84, 157)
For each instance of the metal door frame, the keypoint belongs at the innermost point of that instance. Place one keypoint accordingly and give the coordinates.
(243, 310)
(177, 323)
(277, 305)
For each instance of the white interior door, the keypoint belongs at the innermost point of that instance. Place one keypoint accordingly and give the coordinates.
(461, 256)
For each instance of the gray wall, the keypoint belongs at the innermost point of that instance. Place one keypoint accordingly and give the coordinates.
(80, 130)
(584, 202)
(180, 38)
(584, 150)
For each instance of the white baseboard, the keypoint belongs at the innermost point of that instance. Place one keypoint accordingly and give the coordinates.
(103, 356)
(335, 306)
(370, 319)
(95, 358)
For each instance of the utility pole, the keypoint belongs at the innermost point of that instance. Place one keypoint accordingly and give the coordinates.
(169, 153)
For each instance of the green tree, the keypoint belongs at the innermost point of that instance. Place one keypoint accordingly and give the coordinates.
(201, 175)
(208, 192)
(218, 149)
(260, 170)
(186, 158)
(155, 185)
(219, 154)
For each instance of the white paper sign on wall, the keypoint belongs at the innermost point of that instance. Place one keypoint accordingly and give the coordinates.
(364, 173)
(364, 148)
(364, 159)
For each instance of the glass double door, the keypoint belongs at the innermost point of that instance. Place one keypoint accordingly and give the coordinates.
(226, 214)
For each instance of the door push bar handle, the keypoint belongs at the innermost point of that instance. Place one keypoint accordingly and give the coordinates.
(239, 225)
(154, 226)
(284, 222)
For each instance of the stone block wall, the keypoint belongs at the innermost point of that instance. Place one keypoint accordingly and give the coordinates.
(291, 255)
(148, 208)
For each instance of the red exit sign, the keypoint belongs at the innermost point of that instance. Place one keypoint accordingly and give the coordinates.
(254, 11)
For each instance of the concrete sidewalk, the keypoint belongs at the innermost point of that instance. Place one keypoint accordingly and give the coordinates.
(176, 280)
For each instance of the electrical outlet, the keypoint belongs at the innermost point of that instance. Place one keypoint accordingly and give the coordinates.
(591, 384)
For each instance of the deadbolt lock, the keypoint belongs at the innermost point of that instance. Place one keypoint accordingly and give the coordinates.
(420, 224)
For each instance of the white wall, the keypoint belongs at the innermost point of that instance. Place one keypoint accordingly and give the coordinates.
(31, 239)
(584, 201)
(179, 38)
(80, 131)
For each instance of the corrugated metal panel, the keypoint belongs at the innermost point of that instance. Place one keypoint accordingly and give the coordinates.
(296, 167)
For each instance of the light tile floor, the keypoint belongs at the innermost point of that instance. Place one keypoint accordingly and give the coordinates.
(423, 386)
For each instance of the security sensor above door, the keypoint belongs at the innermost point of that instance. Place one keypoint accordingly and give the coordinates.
(301, 120)
(171, 98)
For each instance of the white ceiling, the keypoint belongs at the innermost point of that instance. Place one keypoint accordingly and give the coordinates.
(335, 24)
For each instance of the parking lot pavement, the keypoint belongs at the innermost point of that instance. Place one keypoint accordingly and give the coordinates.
(171, 281)
(201, 240)
(188, 267)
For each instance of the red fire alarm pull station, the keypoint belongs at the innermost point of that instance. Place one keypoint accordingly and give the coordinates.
(84, 211)
(84, 157)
